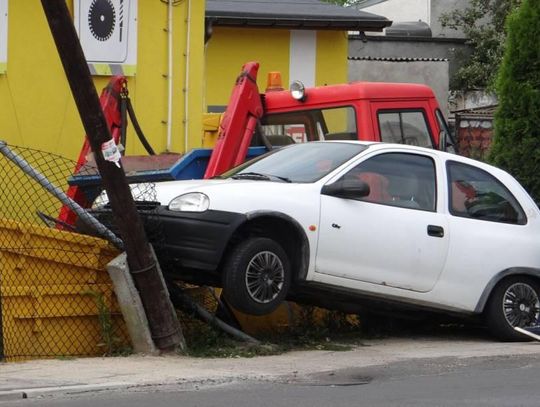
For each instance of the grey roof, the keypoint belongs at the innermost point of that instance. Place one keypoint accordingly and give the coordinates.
(292, 14)
(410, 29)
(477, 112)
(367, 3)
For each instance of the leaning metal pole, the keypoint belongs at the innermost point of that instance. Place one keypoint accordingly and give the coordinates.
(42, 180)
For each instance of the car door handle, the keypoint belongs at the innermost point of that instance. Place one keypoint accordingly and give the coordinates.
(435, 231)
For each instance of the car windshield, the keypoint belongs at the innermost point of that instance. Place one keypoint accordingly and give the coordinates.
(300, 163)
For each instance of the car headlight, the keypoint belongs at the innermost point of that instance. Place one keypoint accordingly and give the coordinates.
(191, 202)
(101, 201)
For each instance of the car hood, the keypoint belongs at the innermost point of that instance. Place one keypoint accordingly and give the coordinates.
(238, 195)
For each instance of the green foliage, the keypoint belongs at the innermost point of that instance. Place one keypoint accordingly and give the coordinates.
(110, 343)
(207, 342)
(332, 331)
(483, 23)
(516, 146)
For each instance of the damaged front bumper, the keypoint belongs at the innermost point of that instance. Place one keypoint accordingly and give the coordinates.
(190, 245)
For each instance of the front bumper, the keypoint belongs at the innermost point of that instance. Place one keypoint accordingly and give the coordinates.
(189, 245)
(195, 240)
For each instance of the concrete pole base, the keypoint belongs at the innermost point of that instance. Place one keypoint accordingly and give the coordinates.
(131, 306)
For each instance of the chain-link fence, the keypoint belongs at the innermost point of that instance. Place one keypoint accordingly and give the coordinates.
(56, 298)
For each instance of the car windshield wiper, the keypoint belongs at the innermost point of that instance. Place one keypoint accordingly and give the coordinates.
(251, 175)
(259, 176)
(284, 179)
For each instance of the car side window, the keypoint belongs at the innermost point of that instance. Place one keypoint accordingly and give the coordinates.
(476, 194)
(404, 127)
(398, 179)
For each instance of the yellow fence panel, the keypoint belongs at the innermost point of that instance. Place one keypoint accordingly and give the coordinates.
(56, 296)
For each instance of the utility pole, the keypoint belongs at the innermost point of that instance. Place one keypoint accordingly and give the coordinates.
(164, 325)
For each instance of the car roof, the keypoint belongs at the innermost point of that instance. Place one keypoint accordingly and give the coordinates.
(381, 146)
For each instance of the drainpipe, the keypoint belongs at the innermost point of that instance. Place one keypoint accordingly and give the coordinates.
(428, 12)
(186, 85)
(169, 73)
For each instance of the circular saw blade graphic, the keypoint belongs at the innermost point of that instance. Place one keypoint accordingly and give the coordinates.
(101, 19)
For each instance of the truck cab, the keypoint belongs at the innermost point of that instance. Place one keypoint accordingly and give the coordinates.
(388, 112)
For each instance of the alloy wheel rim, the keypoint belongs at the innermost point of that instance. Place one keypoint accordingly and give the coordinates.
(264, 277)
(521, 305)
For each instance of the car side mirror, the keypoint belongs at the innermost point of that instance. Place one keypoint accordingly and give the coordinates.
(349, 189)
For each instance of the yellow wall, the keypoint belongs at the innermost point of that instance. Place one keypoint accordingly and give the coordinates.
(332, 51)
(230, 48)
(36, 106)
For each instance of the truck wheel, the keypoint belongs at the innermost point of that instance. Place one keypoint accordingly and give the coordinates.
(256, 276)
(515, 301)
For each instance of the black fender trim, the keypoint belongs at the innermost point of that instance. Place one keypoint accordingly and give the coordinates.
(526, 271)
(304, 242)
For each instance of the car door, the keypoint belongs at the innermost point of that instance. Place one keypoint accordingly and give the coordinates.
(394, 236)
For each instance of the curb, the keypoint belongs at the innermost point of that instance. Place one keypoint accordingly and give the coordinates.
(12, 395)
(37, 392)
(40, 392)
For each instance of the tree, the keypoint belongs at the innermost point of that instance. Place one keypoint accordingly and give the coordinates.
(516, 145)
(483, 24)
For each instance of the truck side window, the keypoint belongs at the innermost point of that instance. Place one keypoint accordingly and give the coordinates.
(475, 194)
(337, 123)
(404, 127)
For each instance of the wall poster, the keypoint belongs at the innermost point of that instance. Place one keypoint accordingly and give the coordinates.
(108, 33)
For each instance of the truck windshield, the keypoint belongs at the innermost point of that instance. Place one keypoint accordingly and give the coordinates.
(336, 123)
(300, 163)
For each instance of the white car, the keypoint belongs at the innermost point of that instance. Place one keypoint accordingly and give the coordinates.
(348, 222)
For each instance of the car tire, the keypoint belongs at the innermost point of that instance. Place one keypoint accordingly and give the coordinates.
(515, 301)
(256, 276)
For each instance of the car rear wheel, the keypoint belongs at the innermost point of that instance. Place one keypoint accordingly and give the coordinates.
(256, 276)
(515, 302)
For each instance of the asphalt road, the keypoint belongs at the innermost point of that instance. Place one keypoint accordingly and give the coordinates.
(498, 381)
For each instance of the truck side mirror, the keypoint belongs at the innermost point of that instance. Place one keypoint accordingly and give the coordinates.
(348, 189)
(442, 140)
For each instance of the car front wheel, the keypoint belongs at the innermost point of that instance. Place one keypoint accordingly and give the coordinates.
(515, 302)
(256, 276)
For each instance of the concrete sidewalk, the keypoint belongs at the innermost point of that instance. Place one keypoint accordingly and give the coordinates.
(50, 377)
